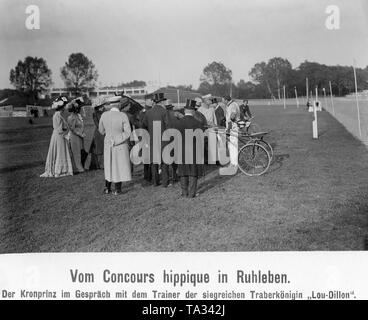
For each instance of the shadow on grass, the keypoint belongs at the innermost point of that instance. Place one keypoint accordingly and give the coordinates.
(214, 180)
(277, 162)
(22, 167)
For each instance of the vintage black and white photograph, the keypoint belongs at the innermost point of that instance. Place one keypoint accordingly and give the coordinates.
(183, 126)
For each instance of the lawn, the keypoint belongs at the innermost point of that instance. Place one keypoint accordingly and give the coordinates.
(312, 198)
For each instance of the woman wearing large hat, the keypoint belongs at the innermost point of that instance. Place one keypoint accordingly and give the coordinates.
(58, 161)
(97, 145)
(76, 134)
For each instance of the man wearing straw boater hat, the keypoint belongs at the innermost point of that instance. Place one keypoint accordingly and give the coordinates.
(189, 172)
(157, 118)
(116, 128)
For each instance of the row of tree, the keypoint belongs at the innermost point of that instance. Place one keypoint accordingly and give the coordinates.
(32, 76)
(268, 79)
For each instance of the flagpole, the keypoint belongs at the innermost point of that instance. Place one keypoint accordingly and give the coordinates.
(357, 100)
(284, 97)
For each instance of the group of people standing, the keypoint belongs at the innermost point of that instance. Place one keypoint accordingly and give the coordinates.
(111, 143)
(66, 153)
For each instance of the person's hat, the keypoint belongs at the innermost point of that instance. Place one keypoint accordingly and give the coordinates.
(191, 104)
(158, 97)
(59, 102)
(169, 105)
(207, 96)
(113, 99)
(98, 102)
(75, 103)
(198, 101)
(79, 101)
(124, 102)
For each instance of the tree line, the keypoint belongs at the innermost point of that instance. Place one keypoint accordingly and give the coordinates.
(32, 77)
(269, 78)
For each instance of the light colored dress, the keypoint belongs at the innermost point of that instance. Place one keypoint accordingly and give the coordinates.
(233, 112)
(116, 128)
(76, 127)
(209, 113)
(58, 161)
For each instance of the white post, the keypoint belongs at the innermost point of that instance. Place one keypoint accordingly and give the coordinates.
(357, 100)
(315, 123)
(332, 103)
(324, 93)
(296, 97)
(284, 97)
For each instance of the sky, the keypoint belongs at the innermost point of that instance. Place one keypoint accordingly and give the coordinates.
(171, 41)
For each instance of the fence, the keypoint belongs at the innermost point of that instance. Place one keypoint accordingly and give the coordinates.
(345, 111)
(6, 111)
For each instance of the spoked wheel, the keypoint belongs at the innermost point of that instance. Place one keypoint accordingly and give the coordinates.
(253, 128)
(267, 146)
(253, 159)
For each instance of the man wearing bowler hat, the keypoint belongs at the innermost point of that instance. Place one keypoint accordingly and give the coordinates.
(157, 118)
(190, 171)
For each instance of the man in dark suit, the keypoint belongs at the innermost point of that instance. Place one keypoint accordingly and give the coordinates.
(173, 118)
(219, 113)
(189, 172)
(147, 174)
(245, 113)
(157, 117)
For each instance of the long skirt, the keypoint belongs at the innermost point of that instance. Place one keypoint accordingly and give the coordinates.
(58, 161)
(117, 163)
(76, 145)
(96, 150)
(233, 147)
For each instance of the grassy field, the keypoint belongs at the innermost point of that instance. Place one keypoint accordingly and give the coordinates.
(312, 198)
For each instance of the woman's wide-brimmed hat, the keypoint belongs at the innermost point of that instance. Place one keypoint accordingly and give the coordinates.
(198, 101)
(59, 102)
(98, 102)
(75, 103)
(190, 105)
(112, 101)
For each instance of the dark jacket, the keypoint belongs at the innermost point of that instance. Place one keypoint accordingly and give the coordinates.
(245, 112)
(220, 117)
(97, 145)
(195, 168)
(157, 114)
(201, 118)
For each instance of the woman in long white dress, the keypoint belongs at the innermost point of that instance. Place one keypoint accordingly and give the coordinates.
(76, 135)
(58, 161)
